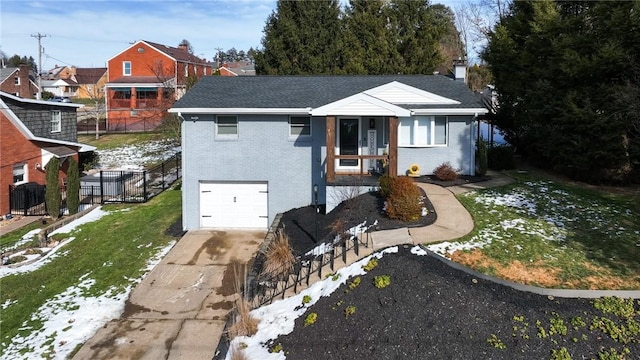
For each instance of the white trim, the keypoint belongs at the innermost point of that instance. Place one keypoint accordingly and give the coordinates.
(41, 102)
(243, 111)
(296, 136)
(219, 136)
(56, 121)
(395, 90)
(360, 105)
(136, 44)
(134, 85)
(24, 130)
(450, 111)
(359, 146)
(124, 68)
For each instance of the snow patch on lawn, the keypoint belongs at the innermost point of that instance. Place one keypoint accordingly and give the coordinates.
(136, 156)
(72, 317)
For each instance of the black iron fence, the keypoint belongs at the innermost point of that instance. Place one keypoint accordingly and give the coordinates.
(265, 287)
(106, 186)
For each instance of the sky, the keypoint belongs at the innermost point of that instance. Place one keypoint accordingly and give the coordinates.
(87, 33)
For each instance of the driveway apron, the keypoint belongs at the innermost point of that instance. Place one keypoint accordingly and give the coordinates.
(178, 311)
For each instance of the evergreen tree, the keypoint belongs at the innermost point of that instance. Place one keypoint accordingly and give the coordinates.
(416, 33)
(52, 195)
(73, 187)
(368, 48)
(557, 69)
(301, 37)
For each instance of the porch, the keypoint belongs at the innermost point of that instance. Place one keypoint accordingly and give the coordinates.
(346, 162)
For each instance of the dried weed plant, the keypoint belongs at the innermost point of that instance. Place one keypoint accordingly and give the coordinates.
(236, 353)
(279, 258)
(244, 323)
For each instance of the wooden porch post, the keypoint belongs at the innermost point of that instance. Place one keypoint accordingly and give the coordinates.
(331, 148)
(393, 146)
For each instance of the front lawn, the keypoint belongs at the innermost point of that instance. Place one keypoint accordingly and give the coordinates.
(47, 312)
(544, 233)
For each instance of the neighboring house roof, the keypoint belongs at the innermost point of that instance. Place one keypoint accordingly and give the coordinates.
(175, 53)
(7, 73)
(248, 70)
(89, 75)
(312, 92)
(13, 118)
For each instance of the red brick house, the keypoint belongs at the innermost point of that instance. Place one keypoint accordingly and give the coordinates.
(18, 81)
(144, 80)
(31, 133)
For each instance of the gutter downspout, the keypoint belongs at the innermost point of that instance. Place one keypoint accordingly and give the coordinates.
(473, 144)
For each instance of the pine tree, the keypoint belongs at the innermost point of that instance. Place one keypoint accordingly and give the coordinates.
(52, 195)
(73, 187)
(301, 37)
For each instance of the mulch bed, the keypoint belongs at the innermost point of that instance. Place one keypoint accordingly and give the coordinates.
(460, 180)
(300, 224)
(433, 311)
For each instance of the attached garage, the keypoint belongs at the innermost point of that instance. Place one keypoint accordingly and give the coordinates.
(234, 205)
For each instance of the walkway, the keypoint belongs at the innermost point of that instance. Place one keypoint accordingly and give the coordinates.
(453, 220)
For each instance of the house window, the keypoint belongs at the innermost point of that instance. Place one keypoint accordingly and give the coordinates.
(126, 68)
(16, 80)
(19, 173)
(56, 121)
(423, 131)
(300, 126)
(227, 126)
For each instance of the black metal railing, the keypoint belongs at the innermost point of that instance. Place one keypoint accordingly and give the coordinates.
(107, 186)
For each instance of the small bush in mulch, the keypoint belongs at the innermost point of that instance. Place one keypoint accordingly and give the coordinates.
(403, 202)
(445, 172)
(300, 223)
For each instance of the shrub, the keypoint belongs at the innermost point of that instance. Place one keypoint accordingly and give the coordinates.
(279, 258)
(445, 172)
(371, 264)
(52, 195)
(349, 310)
(73, 187)
(310, 319)
(483, 164)
(403, 202)
(382, 281)
(385, 185)
(501, 158)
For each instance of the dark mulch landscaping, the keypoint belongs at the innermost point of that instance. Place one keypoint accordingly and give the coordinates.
(433, 311)
(460, 180)
(300, 224)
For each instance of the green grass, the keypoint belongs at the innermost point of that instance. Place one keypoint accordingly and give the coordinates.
(112, 141)
(113, 251)
(16, 235)
(554, 235)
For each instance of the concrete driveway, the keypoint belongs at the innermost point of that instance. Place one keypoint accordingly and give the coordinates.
(179, 309)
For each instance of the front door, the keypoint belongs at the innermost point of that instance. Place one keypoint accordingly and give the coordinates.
(348, 142)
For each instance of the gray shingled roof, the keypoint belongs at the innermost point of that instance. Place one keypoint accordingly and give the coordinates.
(311, 91)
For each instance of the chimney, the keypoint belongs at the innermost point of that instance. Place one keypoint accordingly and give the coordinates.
(460, 70)
(183, 47)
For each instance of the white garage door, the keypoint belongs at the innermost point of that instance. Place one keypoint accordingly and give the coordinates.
(233, 205)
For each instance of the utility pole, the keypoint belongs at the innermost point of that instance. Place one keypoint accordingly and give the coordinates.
(39, 37)
(218, 62)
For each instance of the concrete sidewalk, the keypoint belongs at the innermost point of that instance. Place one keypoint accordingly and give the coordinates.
(179, 309)
(7, 226)
(453, 220)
